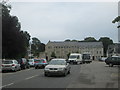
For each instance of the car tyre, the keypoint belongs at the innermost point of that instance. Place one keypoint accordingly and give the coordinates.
(69, 72)
(45, 74)
(36, 67)
(64, 74)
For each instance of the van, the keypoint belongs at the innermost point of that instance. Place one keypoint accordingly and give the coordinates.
(75, 58)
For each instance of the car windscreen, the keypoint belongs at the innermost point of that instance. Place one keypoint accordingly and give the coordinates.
(7, 62)
(57, 62)
(73, 56)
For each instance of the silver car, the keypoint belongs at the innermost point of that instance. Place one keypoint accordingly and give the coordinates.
(57, 67)
(10, 65)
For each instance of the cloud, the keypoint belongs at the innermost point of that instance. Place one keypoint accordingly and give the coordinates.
(59, 21)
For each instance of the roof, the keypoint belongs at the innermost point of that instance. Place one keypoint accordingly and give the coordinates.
(80, 44)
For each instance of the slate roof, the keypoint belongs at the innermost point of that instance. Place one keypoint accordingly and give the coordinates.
(77, 44)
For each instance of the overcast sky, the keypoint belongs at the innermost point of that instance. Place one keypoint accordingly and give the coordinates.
(58, 21)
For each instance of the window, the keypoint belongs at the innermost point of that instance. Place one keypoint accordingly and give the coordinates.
(49, 47)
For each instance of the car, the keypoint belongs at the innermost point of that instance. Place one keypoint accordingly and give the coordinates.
(102, 59)
(40, 63)
(31, 62)
(57, 66)
(114, 60)
(8, 65)
(23, 63)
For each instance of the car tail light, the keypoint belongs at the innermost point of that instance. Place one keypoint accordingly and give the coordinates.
(44, 61)
(36, 62)
(22, 62)
(13, 64)
(2, 65)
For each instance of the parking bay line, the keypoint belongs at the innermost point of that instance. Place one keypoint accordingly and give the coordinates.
(7, 85)
(31, 77)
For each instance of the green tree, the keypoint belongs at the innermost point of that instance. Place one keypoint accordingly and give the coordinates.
(37, 46)
(117, 19)
(53, 55)
(89, 39)
(14, 41)
(67, 40)
(68, 55)
(106, 42)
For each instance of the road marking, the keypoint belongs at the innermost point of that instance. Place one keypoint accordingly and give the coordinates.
(31, 77)
(7, 85)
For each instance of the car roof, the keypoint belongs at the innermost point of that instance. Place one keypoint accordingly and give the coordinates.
(58, 59)
(115, 56)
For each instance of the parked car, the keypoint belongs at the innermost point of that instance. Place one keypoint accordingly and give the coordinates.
(40, 63)
(23, 63)
(57, 67)
(10, 65)
(102, 59)
(31, 62)
(114, 60)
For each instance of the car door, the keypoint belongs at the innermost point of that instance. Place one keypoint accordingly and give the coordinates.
(16, 64)
(67, 66)
(118, 60)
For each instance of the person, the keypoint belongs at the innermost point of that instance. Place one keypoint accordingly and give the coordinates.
(47, 58)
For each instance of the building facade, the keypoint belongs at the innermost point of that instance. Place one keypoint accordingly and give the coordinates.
(113, 49)
(63, 49)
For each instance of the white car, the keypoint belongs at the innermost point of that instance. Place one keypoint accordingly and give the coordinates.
(31, 62)
(10, 65)
(57, 67)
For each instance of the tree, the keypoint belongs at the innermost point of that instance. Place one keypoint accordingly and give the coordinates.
(37, 46)
(67, 40)
(89, 39)
(68, 55)
(14, 41)
(53, 55)
(106, 42)
(117, 19)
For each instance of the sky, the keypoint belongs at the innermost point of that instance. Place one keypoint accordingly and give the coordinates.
(58, 21)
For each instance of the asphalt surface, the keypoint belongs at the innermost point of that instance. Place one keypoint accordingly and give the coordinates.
(93, 75)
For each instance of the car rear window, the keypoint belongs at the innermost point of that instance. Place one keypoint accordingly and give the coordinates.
(7, 62)
(30, 60)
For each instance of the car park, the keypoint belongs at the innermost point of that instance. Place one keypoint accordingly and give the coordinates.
(23, 63)
(114, 60)
(8, 65)
(57, 67)
(31, 62)
(40, 63)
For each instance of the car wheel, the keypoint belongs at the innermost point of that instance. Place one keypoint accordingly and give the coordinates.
(15, 70)
(69, 72)
(35, 67)
(111, 65)
(45, 74)
(64, 74)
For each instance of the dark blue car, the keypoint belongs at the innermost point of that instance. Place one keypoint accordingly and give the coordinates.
(40, 63)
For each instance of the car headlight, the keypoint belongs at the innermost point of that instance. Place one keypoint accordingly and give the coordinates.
(46, 68)
(61, 69)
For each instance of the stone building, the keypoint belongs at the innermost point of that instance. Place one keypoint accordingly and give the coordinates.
(113, 49)
(62, 49)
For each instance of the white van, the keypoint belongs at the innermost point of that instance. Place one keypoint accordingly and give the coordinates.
(75, 58)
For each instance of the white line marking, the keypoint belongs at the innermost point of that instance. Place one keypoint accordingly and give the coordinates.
(31, 77)
(7, 85)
